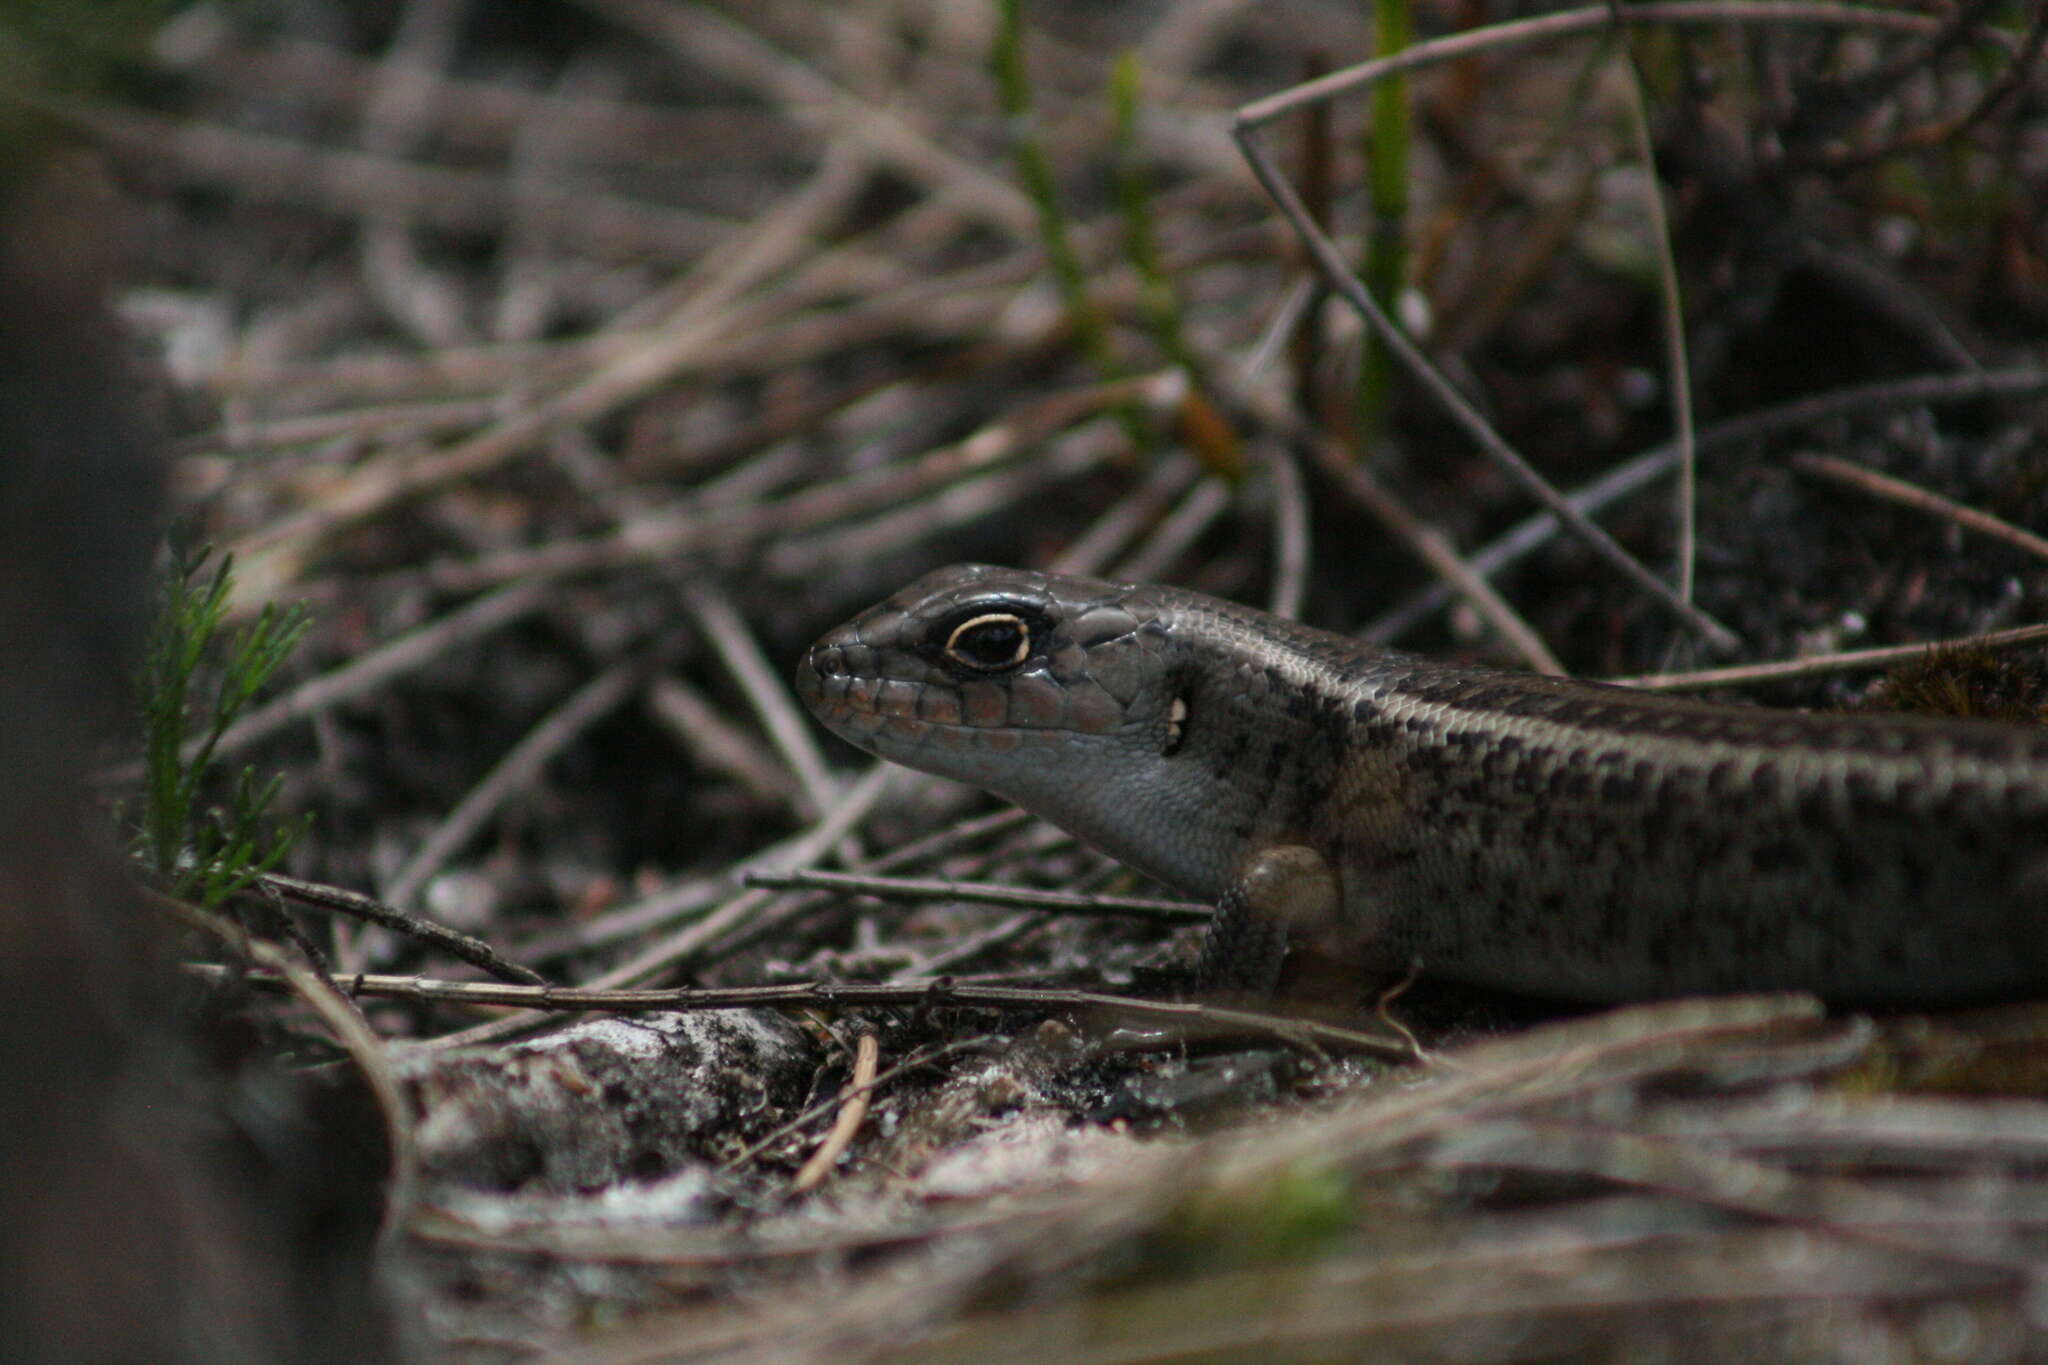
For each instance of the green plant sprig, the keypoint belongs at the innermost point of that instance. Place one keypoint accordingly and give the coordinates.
(194, 850)
(1387, 171)
(1034, 173)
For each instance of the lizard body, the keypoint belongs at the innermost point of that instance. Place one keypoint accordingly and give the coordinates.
(1554, 837)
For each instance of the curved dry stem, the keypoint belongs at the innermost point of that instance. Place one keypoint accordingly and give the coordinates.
(352, 1032)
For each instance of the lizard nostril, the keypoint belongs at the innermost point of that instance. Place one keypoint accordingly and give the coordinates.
(818, 665)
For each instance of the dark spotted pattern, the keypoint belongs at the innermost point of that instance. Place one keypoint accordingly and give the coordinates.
(1549, 836)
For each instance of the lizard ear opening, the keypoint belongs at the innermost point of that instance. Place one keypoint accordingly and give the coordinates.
(1176, 725)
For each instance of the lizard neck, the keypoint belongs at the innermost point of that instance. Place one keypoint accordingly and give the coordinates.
(1263, 719)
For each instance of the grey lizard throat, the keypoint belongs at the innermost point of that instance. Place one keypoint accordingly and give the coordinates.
(1553, 837)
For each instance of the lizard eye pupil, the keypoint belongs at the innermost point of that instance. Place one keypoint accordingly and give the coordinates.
(993, 641)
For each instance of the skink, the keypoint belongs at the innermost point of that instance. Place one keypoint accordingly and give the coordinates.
(1552, 837)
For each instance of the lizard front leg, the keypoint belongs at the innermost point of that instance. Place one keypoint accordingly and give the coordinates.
(1279, 897)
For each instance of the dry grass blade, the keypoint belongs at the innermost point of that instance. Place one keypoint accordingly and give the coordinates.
(360, 184)
(1568, 23)
(356, 1037)
(1849, 661)
(1678, 367)
(1912, 495)
(1337, 274)
(513, 772)
(1644, 469)
(715, 741)
(766, 692)
(853, 1111)
(680, 947)
(701, 35)
(1434, 550)
(675, 343)
(915, 889)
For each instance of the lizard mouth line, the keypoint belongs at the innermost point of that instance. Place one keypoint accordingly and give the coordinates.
(895, 718)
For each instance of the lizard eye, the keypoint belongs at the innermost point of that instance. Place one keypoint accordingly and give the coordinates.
(990, 642)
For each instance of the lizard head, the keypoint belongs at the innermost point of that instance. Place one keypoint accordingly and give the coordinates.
(1059, 693)
(978, 673)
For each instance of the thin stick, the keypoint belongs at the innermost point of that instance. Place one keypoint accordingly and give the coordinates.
(765, 691)
(1317, 153)
(702, 37)
(695, 322)
(984, 893)
(337, 1010)
(454, 942)
(1566, 23)
(1821, 665)
(1337, 274)
(1624, 479)
(937, 994)
(1912, 495)
(853, 1112)
(1429, 544)
(1678, 367)
(268, 168)
(1331, 264)
(718, 743)
(920, 1058)
(790, 908)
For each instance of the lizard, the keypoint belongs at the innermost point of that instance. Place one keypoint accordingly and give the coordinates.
(1547, 836)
